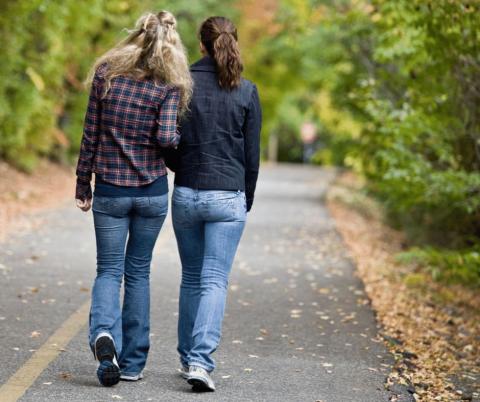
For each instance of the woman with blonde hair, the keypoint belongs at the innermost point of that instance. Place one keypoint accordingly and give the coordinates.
(138, 90)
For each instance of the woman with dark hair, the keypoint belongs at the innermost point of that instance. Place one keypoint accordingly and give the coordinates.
(139, 87)
(216, 169)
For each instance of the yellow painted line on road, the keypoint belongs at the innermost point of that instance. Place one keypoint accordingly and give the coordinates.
(26, 375)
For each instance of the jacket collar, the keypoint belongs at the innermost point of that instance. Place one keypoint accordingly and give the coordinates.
(204, 64)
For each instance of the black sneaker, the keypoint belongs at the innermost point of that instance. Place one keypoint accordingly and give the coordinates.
(108, 372)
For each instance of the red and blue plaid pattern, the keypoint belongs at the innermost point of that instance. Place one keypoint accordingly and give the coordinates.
(124, 132)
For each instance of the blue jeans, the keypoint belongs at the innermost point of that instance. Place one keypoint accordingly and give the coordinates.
(208, 226)
(116, 218)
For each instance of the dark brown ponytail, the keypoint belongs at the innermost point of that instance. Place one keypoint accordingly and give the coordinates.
(219, 37)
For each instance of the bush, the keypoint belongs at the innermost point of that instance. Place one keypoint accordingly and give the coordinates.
(394, 86)
(453, 266)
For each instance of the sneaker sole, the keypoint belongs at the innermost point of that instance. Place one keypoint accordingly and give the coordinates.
(183, 373)
(105, 352)
(109, 376)
(104, 349)
(199, 385)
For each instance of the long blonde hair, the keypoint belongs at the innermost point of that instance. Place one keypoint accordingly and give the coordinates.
(152, 50)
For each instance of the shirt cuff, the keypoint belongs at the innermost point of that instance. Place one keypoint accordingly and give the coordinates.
(83, 190)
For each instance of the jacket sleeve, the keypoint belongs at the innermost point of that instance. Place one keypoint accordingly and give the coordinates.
(167, 133)
(251, 131)
(91, 134)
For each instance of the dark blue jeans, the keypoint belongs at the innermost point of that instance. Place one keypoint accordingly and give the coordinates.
(138, 219)
(208, 226)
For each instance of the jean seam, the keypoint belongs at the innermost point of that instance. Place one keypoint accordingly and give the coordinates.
(130, 373)
(198, 363)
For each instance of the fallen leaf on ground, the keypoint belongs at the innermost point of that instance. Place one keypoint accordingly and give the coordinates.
(433, 321)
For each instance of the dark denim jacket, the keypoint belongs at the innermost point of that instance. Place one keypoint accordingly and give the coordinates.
(220, 137)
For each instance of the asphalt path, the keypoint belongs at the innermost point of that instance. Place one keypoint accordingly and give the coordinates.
(298, 325)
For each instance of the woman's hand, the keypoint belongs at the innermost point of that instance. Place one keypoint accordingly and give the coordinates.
(84, 205)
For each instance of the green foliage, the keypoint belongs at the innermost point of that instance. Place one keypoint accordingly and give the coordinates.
(394, 87)
(421, 115)
(461, 267)
(47, 49)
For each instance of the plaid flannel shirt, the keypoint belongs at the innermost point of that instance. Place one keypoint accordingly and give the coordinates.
(125, 131)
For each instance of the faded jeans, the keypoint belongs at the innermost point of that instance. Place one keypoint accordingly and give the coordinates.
(208, 226)
(126, 230)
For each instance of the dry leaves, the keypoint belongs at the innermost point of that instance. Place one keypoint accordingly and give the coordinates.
(65, 375)
(21, 195)
(432, 330)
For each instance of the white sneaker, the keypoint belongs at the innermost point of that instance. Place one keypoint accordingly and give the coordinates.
(199, 378)
(137, 377)
(183, 372)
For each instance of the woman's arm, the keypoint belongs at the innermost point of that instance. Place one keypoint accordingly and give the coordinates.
(251, 132)
(91, 133)
(167, 134)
